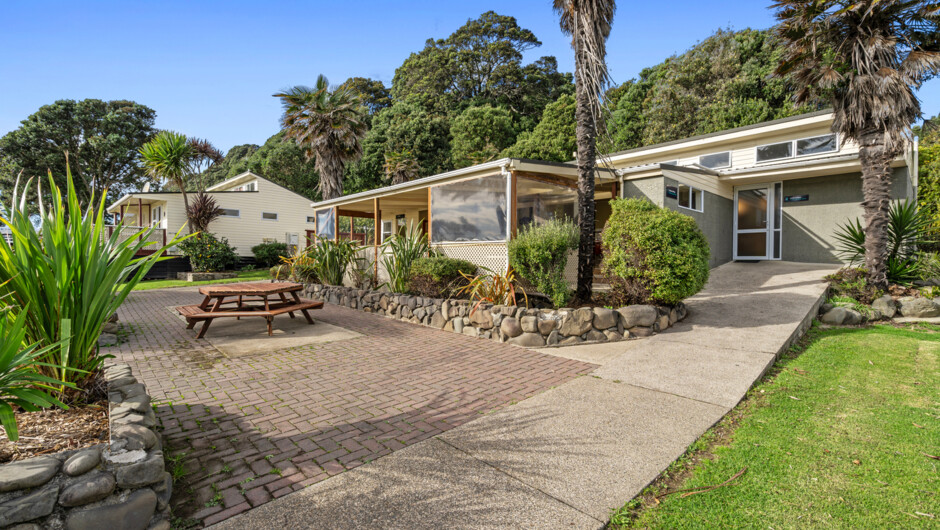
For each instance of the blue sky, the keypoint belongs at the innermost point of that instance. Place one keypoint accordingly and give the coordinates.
(209, 67)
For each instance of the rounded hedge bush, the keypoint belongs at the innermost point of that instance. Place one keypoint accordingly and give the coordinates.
(653, 254)
(539, 254)
(438, 276)
(208, 253)
(270, 254)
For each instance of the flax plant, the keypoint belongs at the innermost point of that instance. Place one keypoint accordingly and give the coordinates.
(331, 259)
(402, 251)
(67, 277)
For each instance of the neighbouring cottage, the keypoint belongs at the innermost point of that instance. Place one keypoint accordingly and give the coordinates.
(772, 191)
(254, 210)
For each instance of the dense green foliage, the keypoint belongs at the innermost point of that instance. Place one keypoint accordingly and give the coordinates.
(539, 254)
(375, 96)
(330, 259)
(907, 228)
(208, 253)
(101, 137)
(399, 252)
(439, 276)
(839, 437)
(270, 254)
(480, 134)
(234, 163)
(553, 138)
(653, 254)
(67, 278)
(724, 81)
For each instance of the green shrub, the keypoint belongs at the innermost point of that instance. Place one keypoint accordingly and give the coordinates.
(68, 277)
(208, 253)
(439, 276)
(270, 254)
(852, 282)
(907, 229)
(653, 254)
(331, 259)
(539, 254)
(399, 252)
(280, 272)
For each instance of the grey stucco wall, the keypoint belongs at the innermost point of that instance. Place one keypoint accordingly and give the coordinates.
(714, 220)
(809, 227)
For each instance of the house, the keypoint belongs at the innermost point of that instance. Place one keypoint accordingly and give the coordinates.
(772, 191)
(255, 210)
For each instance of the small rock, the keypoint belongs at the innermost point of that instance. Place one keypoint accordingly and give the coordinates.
(663, 322)
(469, 331)
(107, 339)
(553, 337)
(88, 489)
(613, 336)
(142, 473)
(122, 380)
(133, 514)
(27, 473)
(82, 462)
(458, 325)
(528, 340)
(482, 318)
(28, 507)
(842, 316)
(605, 318)
(825, 308)
(885, 306)
(135, 436)
(164, 491)
(547, 326)
(577, 322)
(641, 331)
(918, 307)
(595, 336)
(110, 327)
(530, 324)
(438, 320)
(568, 341)
(638, 315)
(510, 327)
(162, 524)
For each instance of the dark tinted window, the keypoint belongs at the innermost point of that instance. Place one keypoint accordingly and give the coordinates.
(818, 144)
(715, 160)
(774, 151)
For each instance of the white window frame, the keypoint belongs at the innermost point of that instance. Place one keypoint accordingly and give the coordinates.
(238, 213)
(386, 225)
(772, 229)
(700, 157)
(794, 150)
(312, 219)
(692, 190)
(263, 218)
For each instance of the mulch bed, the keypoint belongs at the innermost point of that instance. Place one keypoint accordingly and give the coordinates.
(53, 430)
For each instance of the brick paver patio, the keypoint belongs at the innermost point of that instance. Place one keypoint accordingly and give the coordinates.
(254, 428)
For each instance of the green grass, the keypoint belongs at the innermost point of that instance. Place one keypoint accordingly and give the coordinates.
(255, 275)
(838, 438)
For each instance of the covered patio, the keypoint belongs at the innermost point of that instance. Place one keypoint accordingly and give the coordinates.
(470, 213)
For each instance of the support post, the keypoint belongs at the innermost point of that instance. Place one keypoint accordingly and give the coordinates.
(513, 207)
(377, 222)
(335, 224)
(140, 212)
(429, 221)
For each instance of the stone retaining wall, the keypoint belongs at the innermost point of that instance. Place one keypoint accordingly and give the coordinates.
(516, 325)
(114, 486)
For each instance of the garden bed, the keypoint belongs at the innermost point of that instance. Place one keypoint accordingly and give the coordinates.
(516, 325)
(852, 302)
(52, 430)
(205, 276)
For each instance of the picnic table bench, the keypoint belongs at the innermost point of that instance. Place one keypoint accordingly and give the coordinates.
(250, 300)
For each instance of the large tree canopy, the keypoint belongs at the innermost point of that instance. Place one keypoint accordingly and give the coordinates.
(374, 95)
(101, 138)
(723, 82)
(481, 63)
(479, 134)
(553, 138)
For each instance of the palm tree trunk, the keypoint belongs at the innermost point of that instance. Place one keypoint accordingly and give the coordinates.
(876, 159)
(586, 134)
(330, 168)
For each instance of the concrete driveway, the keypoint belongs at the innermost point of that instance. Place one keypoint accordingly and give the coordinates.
(568, 456)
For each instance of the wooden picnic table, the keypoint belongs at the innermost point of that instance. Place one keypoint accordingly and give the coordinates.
(250, 300)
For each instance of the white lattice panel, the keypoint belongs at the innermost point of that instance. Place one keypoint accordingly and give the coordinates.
(493, 256)
(571, 269)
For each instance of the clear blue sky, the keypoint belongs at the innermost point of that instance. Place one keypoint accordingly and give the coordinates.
(209, 67)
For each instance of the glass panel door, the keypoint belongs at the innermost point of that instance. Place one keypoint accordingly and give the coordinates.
(752, 226)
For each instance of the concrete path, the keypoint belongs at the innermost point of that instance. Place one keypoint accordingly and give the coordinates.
(565, 458)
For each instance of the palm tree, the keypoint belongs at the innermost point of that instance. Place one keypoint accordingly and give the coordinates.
(168, 158)
(327, 125)
(867, 57)
(401, 166)
(588, 23)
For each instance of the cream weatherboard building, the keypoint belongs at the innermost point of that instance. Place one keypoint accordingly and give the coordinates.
(771, 191)
(255, 210)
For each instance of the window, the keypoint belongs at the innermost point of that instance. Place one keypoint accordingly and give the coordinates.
(386, 230)
(311, 219)
(715, 160)
(538, 202)
(817, 144)
(469, 210)
(251, 186)
(691, 198)
(670, 163)
(774, 151)
(269, 216)
(156, 216)
(227, 212)
(326, 224)
(802, 147)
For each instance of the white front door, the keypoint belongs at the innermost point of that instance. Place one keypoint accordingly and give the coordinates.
(758, 221)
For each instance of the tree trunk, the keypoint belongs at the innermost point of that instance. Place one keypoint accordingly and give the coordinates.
(876, 159)
(330, 168)
(586, 133)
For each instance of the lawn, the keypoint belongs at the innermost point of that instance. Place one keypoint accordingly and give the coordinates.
(243, 276)
(846, 434)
